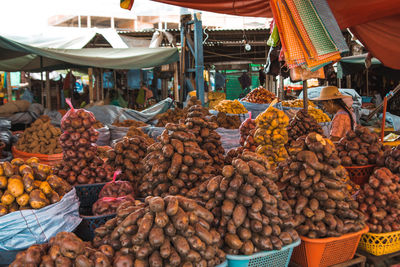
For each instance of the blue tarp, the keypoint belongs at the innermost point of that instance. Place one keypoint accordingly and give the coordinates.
(22, 229)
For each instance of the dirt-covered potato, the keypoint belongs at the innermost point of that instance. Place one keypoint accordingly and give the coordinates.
(302, 124)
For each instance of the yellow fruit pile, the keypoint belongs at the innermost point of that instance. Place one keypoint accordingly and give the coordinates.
(232, 107)
(29, 185)
(297, 103)
(42, 137)
(271, 135)
(318, 115)
(214, 98)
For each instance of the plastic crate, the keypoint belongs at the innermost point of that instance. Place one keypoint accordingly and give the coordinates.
(327, 251)
(275, 258)
(88, 195)
(360, 174)
(380, 244)
(86, 228)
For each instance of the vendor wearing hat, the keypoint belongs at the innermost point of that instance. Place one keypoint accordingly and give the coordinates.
(340, 106)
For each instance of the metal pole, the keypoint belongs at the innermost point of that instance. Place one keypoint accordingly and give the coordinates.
(199, 59)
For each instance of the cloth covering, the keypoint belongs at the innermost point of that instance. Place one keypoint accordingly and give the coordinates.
(12, 107)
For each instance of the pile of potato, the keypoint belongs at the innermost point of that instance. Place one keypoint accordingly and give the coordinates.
(67, 250)
(231, 107)
(247, 130)
(135, 131)
(206, 136)
(302, 124)
(390, 159)
(380, 200)
(259, 95)
(226, 121)
(129, 123)
(29, 185)
(170, 231)
(170, 116)
(318, 115)
(175, 164)
(271, 135)
(249, 211)
(297, 103)
(127, 155)
(109, 205)
(81, 163)
(359, 147)
(41, 138)
(311, 182)
(98, 125)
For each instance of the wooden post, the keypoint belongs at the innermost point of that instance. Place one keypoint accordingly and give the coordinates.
(176, 82)
(348, 81)
(58, 95)
(48, 96)
(305, 95)
(9, 89)
(91, 95)
(97, 84)
(101, 85)
(366, 80)
(383, 118)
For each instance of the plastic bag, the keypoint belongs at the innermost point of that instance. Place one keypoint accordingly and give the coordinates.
(21, 229)
(104, 136)
(109, 205)
(116, 188)
(117, 132)
(76, 118)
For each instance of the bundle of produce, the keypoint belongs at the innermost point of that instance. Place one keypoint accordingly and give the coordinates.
(129, 123)
(176, 164)
(67, 250)
(170, 231)
(135, 131)
(380, 200)
(271, 135)
(41, 138)
(390, 159)
(249, 211)
(231, 106)
(311, 182)
(206, 136)
(247, 130)
(359, 147)
(318, 115)
(117, 189)
(259, 95)
(109, 205)
(98, 125)
(29, 185)
(302, 124)
(127, 155)
(225, 121)
(297, 103)
(81, 163)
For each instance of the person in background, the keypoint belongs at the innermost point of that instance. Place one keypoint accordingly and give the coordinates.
(335, 103)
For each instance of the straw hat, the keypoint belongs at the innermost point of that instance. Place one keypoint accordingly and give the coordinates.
(329, 93)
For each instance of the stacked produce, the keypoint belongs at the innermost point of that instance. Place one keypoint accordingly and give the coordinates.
(225, 121)
(380, 200)
(271, 135)
(302, 124)
(135, 131)
(67, 250)
(170, 231)
(109, 205)
(214, 98)
(170, 116)
(81, 163)
(311, 182)
(297, 103)
(233, 153)
(259, 95)
(206, 136)
(42, 138)
(247, 130)
(231, 106)
(129, 123)
(126, 157)
(249, 211)
(390, 159)
(318, 115)
(29, 185)
(98, 125)
(359, 147)
(102, 152)
(176, 164)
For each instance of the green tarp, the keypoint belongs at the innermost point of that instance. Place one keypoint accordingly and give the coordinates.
(354, 64)
(15, 56)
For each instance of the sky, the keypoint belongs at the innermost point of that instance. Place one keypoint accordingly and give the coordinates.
(23, 15)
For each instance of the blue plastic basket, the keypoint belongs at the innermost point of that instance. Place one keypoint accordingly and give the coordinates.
(88, 194)
(273, 258)
(86, 228)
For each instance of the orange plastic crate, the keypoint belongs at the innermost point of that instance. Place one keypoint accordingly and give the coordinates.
(360, 174)
(326, 251)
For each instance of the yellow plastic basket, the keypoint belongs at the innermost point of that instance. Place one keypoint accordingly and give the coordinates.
(380, 244)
